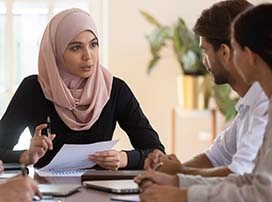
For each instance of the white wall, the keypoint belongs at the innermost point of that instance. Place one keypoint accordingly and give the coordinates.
(129, 55)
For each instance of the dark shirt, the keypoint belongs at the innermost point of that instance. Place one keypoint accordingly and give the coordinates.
(29, 108)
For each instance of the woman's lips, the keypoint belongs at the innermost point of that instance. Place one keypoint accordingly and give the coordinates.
(86, 67)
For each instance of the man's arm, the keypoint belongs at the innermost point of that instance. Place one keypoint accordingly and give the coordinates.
(199, 161)
(201, 165)
(207, 172)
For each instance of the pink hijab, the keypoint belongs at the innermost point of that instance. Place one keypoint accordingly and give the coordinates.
(79, 102)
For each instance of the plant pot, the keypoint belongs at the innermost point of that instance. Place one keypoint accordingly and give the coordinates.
(190, 95)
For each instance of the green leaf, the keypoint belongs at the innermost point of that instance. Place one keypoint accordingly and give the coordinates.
(157, 39)
(150, 18)
(152, 63)
(225, 103)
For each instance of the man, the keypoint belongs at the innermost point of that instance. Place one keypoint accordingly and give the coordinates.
(254, 58)
(20, 188)
(234, 150)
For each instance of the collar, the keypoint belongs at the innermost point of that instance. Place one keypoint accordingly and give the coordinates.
(254, 93)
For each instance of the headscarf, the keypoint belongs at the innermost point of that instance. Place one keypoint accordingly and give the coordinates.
(78, 101)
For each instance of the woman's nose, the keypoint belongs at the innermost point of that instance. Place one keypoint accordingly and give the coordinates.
(87, 55)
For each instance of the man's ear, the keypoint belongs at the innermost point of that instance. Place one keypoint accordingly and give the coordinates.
(225, 52)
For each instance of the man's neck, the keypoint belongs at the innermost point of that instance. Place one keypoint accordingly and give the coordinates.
(240, 87)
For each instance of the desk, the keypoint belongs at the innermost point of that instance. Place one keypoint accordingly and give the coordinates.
(84, 194)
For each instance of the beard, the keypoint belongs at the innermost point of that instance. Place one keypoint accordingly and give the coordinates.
(220, 79)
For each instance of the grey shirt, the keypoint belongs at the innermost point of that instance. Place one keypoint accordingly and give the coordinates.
(239, 188)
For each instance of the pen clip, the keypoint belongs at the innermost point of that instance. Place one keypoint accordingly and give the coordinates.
(157, 166)
(48, 128)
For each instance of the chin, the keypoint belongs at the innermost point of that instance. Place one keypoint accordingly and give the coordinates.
(85, 75)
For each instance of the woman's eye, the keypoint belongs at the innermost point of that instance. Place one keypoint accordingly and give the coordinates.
(94, 44)
(75, 48)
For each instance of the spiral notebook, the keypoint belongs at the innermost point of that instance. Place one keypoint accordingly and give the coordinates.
(61, 173)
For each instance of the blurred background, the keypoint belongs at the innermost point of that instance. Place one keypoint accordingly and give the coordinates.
(126, 52)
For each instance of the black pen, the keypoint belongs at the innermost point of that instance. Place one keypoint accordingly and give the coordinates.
(24, 171)
(48, 128)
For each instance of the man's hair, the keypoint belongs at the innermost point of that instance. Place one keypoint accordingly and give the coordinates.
(214, 23)
(252, 29)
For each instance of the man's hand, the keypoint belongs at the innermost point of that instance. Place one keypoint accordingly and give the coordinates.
(157, 193)
(20, 188)
(153, 159)
(171, 165)
(150, 177)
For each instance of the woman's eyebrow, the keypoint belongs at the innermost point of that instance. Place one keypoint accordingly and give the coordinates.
(78, 42)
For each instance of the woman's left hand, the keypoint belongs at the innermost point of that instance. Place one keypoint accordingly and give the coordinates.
(111, 160)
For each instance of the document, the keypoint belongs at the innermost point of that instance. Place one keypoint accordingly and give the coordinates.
(72, 159)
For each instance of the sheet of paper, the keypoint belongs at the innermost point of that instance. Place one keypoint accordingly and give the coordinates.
(74, 157)
(126, 198)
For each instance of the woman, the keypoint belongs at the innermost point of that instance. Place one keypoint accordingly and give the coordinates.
(252, 44)
(83, 100)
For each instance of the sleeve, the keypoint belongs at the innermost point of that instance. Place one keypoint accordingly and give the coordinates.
(133, 121)
(246, 188)
(242, 160)
(224, 146)
(186, 181)
(13, 123)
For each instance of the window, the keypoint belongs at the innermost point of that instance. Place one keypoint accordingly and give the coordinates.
(22, 23)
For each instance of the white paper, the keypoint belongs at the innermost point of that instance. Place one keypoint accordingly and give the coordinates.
(72, 159)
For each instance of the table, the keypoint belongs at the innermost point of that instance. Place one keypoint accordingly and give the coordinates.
(83, 195)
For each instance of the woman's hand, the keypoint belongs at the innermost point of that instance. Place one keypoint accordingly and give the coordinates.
(38, 146)
(111, 160)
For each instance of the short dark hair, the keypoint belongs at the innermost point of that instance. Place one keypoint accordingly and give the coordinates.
(253, 29)
(214, 23)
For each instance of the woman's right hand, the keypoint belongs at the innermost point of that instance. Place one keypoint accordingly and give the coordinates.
(39, 144)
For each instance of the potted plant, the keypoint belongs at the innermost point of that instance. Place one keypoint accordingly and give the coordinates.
(188, 54)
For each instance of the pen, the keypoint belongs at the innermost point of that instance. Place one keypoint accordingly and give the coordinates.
(48, 128)
(156, 167)
(24, 171)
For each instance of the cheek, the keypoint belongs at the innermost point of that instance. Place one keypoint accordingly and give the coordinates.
(70, 60)
(205, 61)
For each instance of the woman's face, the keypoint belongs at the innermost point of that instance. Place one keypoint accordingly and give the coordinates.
(241, 62)
(81, 54)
